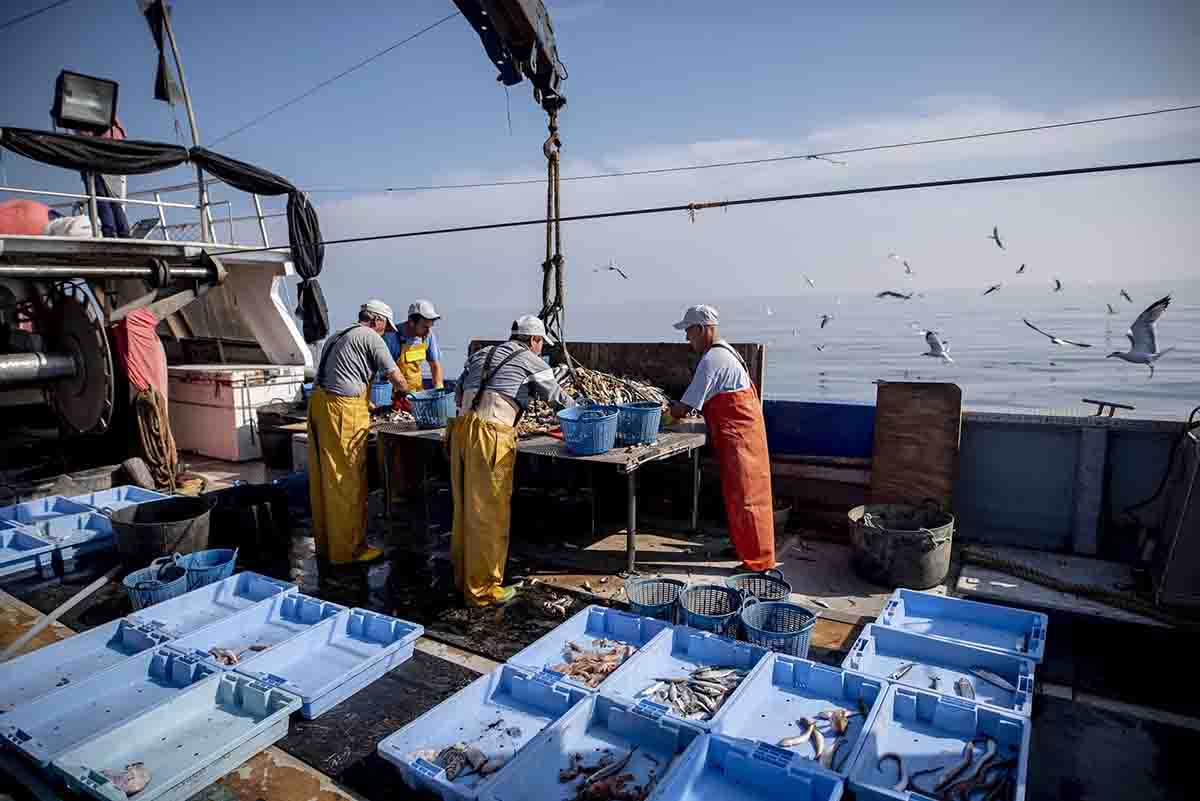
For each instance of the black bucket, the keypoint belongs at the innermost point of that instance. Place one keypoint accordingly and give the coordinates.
(254, 519)
(148, 531)
(896, 545)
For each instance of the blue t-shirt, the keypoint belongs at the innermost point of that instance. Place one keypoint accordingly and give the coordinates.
(393, 340)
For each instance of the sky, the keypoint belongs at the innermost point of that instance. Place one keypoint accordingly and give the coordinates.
(665, 84)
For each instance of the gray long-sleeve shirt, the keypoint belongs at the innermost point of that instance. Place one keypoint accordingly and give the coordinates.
(526, 373)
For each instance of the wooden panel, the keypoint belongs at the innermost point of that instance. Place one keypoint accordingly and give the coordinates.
(17, 617)
(665, 364)
(917, 429)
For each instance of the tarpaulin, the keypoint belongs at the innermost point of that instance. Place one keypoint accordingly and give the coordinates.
(91, 153)
(141, 351)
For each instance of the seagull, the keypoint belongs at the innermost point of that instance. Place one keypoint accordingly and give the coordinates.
(1054, 339)
(991, 289)
(614, 268)
(995, 237)
(887, 293)
(819, 347)
(768, 311)
(1057, 285)
(908, 270)
(1125, 295)
(1021, 270)
(1143, 341)
(825, 318)
(810, 281)
(1111, 310)
(937, 348)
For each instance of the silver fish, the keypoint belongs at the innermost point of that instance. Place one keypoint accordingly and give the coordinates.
(963, 687)
(901, 671)
(902, 777)
(992, 678)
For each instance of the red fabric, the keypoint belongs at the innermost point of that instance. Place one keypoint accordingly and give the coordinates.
(141, 351)
(739, 436)
(23, 217)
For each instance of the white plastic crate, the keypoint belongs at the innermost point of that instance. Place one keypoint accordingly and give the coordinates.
(22, 551)
(716, 768)
(211, 603)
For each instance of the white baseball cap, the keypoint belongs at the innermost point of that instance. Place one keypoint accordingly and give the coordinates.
(376, 306)
(529, 325)
(425, 309)
(698, 315)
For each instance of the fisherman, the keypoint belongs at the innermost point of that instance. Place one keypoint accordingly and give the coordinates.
(414, 343)
(493, 392)
(723, 392)
(339, 417)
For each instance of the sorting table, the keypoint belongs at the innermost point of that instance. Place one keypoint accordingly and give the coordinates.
(689, 439)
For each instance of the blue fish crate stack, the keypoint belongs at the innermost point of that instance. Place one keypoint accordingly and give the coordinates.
(210, 604)
(997, 628)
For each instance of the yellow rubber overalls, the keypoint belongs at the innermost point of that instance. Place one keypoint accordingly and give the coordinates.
(337, 469)
(483, 453)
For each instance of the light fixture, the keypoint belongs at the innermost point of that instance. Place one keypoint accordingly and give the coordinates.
(84, 102)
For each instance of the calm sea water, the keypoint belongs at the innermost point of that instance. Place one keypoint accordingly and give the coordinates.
(1000, 364)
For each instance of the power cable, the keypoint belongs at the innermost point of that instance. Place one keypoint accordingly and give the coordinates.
(769, 160)
(691, 208)
(6, 25)
(328, 81)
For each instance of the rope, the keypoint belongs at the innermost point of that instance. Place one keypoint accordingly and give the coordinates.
(155, 438)
(1090, 591)
(553, 312)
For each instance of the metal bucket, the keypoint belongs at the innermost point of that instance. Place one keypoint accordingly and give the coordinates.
(150, 530)
(897, 545)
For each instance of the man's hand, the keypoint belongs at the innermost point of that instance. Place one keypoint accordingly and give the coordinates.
(399, 385)
(680, 410)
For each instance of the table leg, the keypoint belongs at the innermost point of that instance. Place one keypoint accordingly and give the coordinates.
(631, 532)
(695, 489)
(592, 491)
(384, 445)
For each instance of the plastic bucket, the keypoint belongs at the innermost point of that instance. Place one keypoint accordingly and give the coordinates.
(381, 394)
(205, 567)
(433, 408)
(147, 531)
(711, 607)
(778, 626)
(162, 580)
(637, 423)
(589, 430)
(769, 585)
(655, 597)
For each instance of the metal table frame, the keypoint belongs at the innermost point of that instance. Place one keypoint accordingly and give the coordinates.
(625, 460)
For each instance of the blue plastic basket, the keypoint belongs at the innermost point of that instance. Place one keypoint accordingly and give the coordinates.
(433, 408)
(778, 626)
(162, 580)
(655, 597)
(381, 394)
(206, 567)
(638, 423)
(711, 607)
(769, 585)
(589, 430)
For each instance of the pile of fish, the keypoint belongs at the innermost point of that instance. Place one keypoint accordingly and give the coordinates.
(698, 695)
(460, 760)
(990, 777)
(130, 781)
(593, 665)
(393, 416)
(602, 388)
(607, 780)
(826, 745)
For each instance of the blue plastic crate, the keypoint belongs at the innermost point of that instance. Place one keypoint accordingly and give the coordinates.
(206, 606)
(583, 629)
(880, 651)
(32, 513)
(927, 730)
(76, 535)
(78, 712)
(787, 689)
(381, 394)
(593, 727)
(498, 713)
(716, 767)
(118, 497)
(255, 630)
(72, 660)
(186, 743)
(997, 628)
(432, 408)
(589, 430)
(21, 551)
(335, 659)
(679, 652)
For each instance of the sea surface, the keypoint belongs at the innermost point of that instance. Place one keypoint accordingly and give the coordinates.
(1000, 364)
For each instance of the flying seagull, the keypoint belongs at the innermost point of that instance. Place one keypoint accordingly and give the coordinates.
(995, 237)
(1125, 295)
(937, 348)
(1111, 310)
(1057, 285)
(908, 270)
(825, 318)
(819, 347)
(810, 281)
(1021, 270)
(991, 289)
(611, 266)
(1143, 341)
(887, 293)
(1054, 339)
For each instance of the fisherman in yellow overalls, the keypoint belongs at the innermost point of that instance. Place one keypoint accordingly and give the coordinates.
(339, 420)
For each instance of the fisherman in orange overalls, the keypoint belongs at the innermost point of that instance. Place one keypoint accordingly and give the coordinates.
(721, 389)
